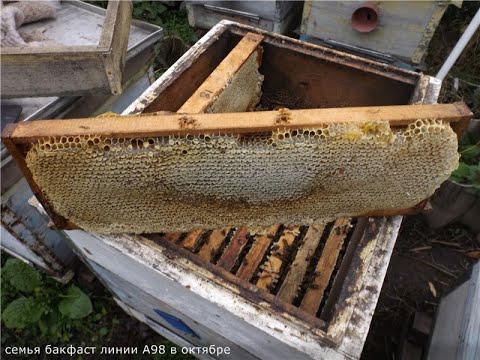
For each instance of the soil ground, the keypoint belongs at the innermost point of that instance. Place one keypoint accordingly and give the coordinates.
(425, 264)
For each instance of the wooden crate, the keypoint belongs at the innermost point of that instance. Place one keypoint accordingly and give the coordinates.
(276, 16)
(71, 70)
(404, 29)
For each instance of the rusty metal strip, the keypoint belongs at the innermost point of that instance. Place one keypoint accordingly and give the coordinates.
(288, 290)
(259, 248)
(231, 254)
(272, 266)
(324, 269)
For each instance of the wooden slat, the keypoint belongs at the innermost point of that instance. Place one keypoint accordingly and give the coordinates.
(297, 271)
(323, 271)
(213, 243)
(256, 253)
(172, 237)
(222, 76)
(191, 239)
(232, 252)
(16, 153)
(272, 266)
(249, 122)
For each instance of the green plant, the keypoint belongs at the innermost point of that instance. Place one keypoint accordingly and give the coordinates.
(173, 21)
(468, 172)
(42, 308)
(179, 35)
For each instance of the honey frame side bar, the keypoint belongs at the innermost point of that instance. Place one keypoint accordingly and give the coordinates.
(18, 155)
(219, 80)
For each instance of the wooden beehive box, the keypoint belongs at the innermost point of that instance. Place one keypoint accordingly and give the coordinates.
(66, 70)
(276, 16)
(288, 290)
(399, 28)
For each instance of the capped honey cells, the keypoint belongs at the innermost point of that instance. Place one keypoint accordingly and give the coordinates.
(304, 176)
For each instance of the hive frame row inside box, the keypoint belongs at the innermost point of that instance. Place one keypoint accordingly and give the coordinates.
(157, 280)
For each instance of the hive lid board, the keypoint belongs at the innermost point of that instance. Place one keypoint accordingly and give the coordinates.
(85, 63)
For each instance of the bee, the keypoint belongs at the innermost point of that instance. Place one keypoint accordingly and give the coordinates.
(275, 247)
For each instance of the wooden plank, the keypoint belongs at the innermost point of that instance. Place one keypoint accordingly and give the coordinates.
(63, 70)
(272, 266)
(16, 153)
(259, 248)
(289, 288)
(231, 254)
(405, 31)
(114, 40)
(191, 239)
(323, 271)
(222, 76)
(250, 122)
(213, 243)
(173, 237)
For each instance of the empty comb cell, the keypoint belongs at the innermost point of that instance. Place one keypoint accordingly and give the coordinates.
(305, 176)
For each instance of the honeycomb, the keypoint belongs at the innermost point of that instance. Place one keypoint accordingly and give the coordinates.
(305, 176)
(243, 91)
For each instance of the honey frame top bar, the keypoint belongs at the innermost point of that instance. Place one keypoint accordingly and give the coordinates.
(458, 114)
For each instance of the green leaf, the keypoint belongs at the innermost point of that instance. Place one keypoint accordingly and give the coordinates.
(474, 175)
(20, 275)
(76, 304)
(137, 12)
(43, 327)
(160, 8)
(469, 151)
(103, 331)
(54, 322)
(461, 173)
(22, 312)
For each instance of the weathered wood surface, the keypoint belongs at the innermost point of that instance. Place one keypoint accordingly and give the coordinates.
(173, 237)
(221, 78)
(192, 239)
(251, 122)
(211, 247)
(289, 289)
(325, 266)
(252, 261)
(71, 70)
(233, 250)
(280, 249)
(403, 31)
(115, 37)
